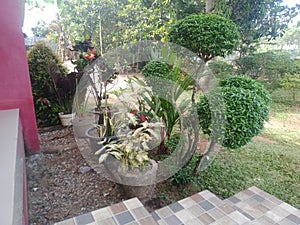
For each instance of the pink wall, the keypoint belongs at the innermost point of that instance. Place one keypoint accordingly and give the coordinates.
(15, 87)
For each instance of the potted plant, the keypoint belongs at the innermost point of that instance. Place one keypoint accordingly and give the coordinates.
(64, 87)
(133, 168)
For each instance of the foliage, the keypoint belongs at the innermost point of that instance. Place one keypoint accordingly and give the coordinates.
(221, 69)
(186, 174)
(291, 83)
(207, 35)
(41, 29)
(40, 59)
(131, 147)
(291, 37)
(257, 19)
(167, 85)
(247, 107)
(269, 67)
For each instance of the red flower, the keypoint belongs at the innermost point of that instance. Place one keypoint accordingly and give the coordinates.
(143, 118)
(91, 54)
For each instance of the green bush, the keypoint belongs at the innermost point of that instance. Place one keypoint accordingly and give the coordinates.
(207, 35)
(247, 107)
(40, 58)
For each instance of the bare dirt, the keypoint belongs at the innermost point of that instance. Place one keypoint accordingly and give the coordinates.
(60, 184)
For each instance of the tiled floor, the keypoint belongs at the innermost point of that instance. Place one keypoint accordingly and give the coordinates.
(251, 206)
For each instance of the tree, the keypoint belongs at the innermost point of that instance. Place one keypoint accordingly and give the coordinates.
(291, 37)
(291, 83)
(246, 109)
(257, 19)
(207, 35)
(41, 29)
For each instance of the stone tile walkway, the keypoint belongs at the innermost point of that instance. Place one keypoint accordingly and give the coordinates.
(251, 206)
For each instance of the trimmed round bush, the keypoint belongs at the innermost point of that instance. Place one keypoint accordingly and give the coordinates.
(207, 35)
(246, 109)
(40, 58)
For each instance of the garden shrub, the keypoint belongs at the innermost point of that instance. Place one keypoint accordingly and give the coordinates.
(207, 35)
(247, 107)
(40, 59)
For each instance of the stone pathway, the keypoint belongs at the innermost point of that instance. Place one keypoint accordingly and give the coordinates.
(251, 206)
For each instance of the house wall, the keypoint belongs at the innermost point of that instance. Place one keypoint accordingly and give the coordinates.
(15, 87)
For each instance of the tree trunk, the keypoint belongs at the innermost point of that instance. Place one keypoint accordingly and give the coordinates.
(209, 6)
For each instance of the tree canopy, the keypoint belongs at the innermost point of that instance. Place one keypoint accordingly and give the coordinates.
(207, 35)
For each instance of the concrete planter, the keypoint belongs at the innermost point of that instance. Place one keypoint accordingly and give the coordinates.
(66, 119)
(139, 184)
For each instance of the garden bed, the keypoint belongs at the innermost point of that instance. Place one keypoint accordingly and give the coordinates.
(61, 185)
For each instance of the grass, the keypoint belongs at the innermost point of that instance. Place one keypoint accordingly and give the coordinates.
(272, 167)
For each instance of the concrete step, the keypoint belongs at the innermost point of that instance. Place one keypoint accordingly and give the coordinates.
(129, 212)
(249, 207)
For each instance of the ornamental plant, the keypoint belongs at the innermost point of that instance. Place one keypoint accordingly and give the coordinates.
(41, 59)
(131, 147)
(207, 35)
(247, 105)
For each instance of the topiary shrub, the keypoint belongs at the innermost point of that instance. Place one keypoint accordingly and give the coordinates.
(247, 107)
(207, 35)
(40, 58)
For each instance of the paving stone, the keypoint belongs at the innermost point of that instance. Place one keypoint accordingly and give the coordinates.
(164, 212)
(139, 213)
(275, 200)
(133, 203)
(243, 195)
(124, 217)
(216, 201)
(197, 198)
(278, 210)
(275, 217)
(243, 212)
(206, 218)
(286, 221)
(175, 207)
(187, 202)
(265, 194)
(195, 221)
(101, 214)
(268, 204)
(227, 208)
(195, 210)
(84, 219)
(207, 194)
(254, 189)
(66, 222)
(172, 220)
(155, 216)
(264, 220)
(206, 205)
(238, 217)
(258, 198)
(226, 220)
(108, 221)
(184, 216)
(262, 208)
(117, 208)
(288, 207)
(216, 213)
(293, 218)
(234, 199)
